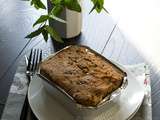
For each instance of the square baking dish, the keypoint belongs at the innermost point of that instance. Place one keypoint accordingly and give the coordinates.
(80, 111)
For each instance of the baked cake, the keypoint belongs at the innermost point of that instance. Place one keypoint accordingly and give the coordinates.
(84, 75)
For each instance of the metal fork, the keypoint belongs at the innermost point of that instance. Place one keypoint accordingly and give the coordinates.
(35, 58)
(32, 62)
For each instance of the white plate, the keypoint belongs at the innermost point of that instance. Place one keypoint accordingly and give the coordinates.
(46, 108)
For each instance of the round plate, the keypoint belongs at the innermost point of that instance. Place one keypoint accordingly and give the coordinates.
(46, 108)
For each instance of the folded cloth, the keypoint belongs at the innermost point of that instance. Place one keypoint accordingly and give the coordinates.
(17, 93)
(19, 87)
(142, 73)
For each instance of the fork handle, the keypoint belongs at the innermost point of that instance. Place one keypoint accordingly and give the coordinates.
(26, 103)
(27, 113)
(24, 109)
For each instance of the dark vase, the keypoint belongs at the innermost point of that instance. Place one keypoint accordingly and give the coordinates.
(70, 41)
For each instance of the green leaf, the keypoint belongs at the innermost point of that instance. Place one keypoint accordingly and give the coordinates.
(53, 33)
(105, 10)
(56, 18)
(56, 2)
(57, 10)
(73, 5)
(41, 19)
(38, 4)
(98, 4)
(45, 35)
(32, 2)
(35, 33)
(94, 7)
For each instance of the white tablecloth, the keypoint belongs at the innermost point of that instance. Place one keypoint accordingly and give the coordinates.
(19, 87)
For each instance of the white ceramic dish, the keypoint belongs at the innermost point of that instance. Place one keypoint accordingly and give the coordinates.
(46, 108)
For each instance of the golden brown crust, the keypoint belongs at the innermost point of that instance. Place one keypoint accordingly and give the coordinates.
(82, 74)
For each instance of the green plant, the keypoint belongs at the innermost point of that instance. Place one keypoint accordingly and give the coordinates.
(58, 6)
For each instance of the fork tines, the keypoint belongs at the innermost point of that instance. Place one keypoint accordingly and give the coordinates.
(34, 58)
